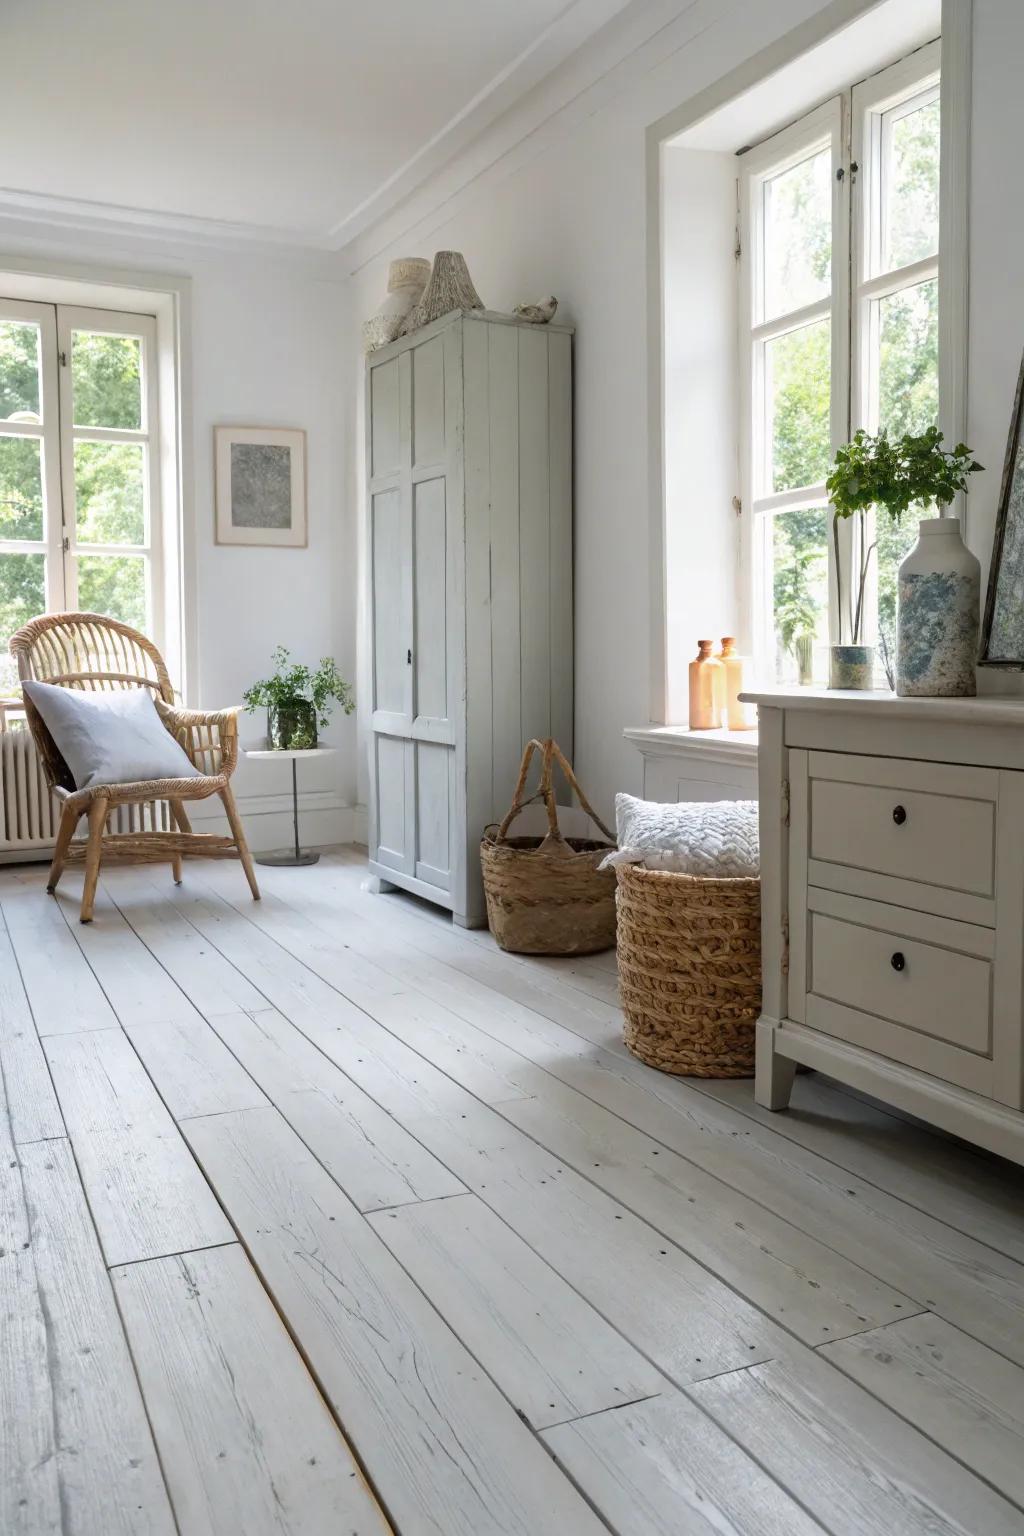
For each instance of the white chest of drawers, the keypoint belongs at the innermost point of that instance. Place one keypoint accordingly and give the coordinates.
(892, 862)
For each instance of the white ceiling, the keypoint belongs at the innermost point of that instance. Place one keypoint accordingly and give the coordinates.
(298, 120)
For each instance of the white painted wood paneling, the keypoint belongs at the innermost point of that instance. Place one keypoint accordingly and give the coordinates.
(147, 1195)
(550, 1353)
(410, 1396)
(247, 1442)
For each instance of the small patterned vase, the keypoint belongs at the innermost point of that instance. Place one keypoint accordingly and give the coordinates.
(851, 666)
(937, 615)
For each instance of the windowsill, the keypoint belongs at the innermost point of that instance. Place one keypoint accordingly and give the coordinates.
(680, 741)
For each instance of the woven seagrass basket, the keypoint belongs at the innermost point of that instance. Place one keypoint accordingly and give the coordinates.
(546, 896)
(689, 952)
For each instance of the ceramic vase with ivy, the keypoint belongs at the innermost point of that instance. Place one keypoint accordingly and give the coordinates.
(939, 588)
(297, 700)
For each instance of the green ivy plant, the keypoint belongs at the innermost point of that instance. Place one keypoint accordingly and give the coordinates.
(894, 474)
(291, 682)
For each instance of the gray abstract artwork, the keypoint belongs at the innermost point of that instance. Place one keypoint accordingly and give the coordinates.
(261, 485)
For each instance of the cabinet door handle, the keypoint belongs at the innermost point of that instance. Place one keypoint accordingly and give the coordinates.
(898, 961)
(408, 657)
(899, 814)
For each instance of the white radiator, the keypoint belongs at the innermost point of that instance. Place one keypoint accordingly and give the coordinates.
(28, 813)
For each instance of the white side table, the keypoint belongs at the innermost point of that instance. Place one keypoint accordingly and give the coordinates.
(290, 857)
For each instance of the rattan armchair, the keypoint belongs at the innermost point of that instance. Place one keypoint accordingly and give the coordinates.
(85, 650)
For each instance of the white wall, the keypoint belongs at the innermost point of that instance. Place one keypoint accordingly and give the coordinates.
(265, 349)
(701, 384)
(565, 214)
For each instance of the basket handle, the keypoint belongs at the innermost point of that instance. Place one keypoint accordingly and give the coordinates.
(551, 753)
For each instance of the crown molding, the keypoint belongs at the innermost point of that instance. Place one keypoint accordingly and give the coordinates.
(642, 35)
(545, 56)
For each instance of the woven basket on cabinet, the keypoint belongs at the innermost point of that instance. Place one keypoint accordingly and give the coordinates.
(689, 952)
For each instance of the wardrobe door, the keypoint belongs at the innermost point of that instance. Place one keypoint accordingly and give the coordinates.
(433, 554)
(393, 826)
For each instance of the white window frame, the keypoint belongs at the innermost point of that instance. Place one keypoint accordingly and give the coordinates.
(58, 434)
(854, 124)
(825, 127)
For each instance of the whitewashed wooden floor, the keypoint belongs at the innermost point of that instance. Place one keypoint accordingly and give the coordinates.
(320, 1217)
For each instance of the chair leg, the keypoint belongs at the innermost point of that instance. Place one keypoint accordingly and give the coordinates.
(238, 833)
(97, 821)
(181, 821)
(69, 820)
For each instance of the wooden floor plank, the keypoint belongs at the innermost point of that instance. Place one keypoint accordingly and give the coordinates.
(109, 1476)
(31, 1101)
(852, 1463)
(138, 987)
(777, 1266)
(147, 1195)
(374, 1160)
(910, 1250)
(962, 1395)
(246, 1441)
(63, 992)
(30, 1503)
(432, 1430)
(192, 1068)
(663, 1467)
(978, 1195)
(552, 1355)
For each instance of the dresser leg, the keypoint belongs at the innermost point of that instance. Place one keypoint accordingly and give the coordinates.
(773, 1074)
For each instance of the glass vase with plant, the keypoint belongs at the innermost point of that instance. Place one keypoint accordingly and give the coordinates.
(892, 474)
(297, 700)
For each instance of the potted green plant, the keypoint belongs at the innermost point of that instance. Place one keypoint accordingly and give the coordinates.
(297, 700)
(894, 474)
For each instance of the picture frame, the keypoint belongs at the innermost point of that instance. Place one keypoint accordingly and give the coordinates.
(260, 486)
(1002, 629)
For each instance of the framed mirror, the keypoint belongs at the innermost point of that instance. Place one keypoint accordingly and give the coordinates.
(1002, 630)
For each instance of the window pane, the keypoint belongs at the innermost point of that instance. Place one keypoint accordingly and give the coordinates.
(908, 360)
(19, 371)
(106, 380)
(109, 504)
(22, 597)
(114, 585)
(798, 235)
(21, 488)
(910, 178)
(800, 594)
(908, 391)
(798, 392)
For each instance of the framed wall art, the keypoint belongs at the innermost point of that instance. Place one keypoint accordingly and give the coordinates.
(1002, 630)
(260, 475)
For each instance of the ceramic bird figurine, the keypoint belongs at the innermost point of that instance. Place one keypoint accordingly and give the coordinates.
(537, 314)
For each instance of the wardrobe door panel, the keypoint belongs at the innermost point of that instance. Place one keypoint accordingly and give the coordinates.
(390, 557)
(393, 769)
(430, 599)
(433, 813)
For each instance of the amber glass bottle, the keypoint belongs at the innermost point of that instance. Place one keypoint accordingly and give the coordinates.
(738, 717)
(707, 689)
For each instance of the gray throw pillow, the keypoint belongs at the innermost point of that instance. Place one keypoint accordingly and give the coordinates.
(109, 738)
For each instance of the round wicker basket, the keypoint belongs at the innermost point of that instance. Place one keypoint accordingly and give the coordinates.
(689, 952)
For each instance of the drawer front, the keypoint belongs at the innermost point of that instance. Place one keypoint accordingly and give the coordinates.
(917, 986)
(899, 819)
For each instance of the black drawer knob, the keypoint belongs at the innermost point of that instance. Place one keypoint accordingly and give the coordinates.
(899, 814)
(898, 961)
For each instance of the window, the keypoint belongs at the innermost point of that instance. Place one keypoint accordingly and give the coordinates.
(839, 330)
(79, 482)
